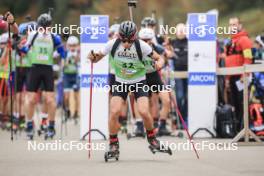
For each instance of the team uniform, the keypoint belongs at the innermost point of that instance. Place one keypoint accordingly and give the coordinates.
(4, 72)
(23, 65)
(129, 69)
(70, 72)
(41, 55)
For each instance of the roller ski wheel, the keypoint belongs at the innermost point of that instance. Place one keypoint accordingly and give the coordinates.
(129, 136)
(42, 130)
(50, 133)
(156, 147)
(113, 153)
(180, 135)
(30, 134)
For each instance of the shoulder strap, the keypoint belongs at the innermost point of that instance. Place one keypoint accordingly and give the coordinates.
(35, 36)
(138, 49)
(33, 39)
(53, 40)
(137, 45)
(114, 48)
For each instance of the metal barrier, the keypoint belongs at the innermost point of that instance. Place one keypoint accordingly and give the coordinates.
(245, 133)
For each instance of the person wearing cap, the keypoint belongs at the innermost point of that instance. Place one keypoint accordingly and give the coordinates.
(259, 49)
(70, 74)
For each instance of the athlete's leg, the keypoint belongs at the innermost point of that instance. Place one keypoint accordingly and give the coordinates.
(116, 104)
(31, 103)
(165, 100)
(154, 108)
(51, 102)
(143, 110)
(139, 130)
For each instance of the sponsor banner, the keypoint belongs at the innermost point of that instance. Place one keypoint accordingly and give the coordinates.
(202, 94)
(202, 27)
(94, 37)
(99, 81)
(202, 78)
(202, 56)
(94, 28)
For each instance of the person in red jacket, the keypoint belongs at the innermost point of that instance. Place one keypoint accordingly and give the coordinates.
(238, 53)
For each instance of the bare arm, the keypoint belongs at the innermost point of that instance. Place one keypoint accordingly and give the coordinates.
(159, 60)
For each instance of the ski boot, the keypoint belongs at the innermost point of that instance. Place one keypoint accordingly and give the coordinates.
(43, 127)
(15, 124)
(21, 123)
(123, 123)
(139, 131)
(30, 130)
(50, 133)
(155, 145)
(67, 113)
(162, 130)
(113, 152)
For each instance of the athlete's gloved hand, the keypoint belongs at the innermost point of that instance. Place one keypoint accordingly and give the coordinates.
(93, 57)
(159, 64)
(9, 18)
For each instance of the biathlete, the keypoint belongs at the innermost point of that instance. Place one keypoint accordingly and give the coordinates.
(127, 52)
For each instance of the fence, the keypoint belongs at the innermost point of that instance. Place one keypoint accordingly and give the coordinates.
(245, 133)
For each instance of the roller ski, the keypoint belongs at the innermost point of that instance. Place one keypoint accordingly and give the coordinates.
(30, 131)
(43, 127)
(155, 145)
(15, 125)
(50, 133)
(113, 152)
(139, 131)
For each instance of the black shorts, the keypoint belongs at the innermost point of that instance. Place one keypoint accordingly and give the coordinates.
(111, 81)
(154, 82)
(21, 77)
(40, 74)
(122, 90)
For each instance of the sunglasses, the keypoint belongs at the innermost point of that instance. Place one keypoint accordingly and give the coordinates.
(127, 41)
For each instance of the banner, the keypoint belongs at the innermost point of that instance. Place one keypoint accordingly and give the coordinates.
(94, 36)
(202, 92)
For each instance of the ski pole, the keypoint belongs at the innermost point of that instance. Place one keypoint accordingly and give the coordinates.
(90, 108)
(10, 80)
(174, 101)
(131, 4)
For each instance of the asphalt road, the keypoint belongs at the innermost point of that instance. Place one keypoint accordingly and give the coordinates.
(135, 159)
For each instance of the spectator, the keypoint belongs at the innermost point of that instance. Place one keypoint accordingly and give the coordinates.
(259, 48)
(238, 53)
(180, 60)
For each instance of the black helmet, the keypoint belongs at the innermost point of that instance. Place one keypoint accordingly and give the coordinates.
(44, 20)
(127, 30)
(148, 21)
